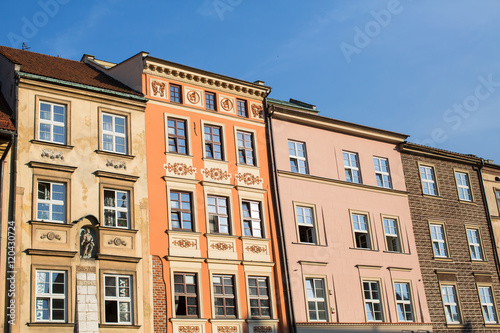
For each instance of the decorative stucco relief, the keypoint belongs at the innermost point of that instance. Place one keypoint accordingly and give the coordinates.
(158, 88)
(180, 169)
(117, 241)
(116, 164)
(262, 329)
(189, 329)
(256, 249)
(50, 236)
(226, 104)
(227, 329)
(216, 173)
(248, 178)
(53, 155)
(257, 110)
(184, 243)
(221, 246)
(193, 97)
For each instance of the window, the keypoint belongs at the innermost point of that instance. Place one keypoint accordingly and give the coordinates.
(210, 101)
(464, 192)
(474, 240)
(392, 234)
(497, 196)
(450, 303)
(316, 299)
(245, 148)
(114, 133)
(259, 297)
(118, 299)
(428, 180)
(52, 123)
(177, 136)
(252, 224)
(373, 306)
(305, 221)
(403, 301)
(186, 295)
(50, 302)
(242, 107)
(488, 305)
(351, 165)
(213, 142)
(116, 208)
(439, 241)
(218, 217)
(180, 211)
(224, 300)
(382, 172)
(51, 202)
(175, 93)
(298, 160)
(361, 231)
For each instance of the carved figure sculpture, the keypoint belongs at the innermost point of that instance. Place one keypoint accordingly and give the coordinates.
(87, 243)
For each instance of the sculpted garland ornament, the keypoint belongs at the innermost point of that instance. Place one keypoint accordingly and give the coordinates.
(256, 249)
(226, 104)
(53, 155)
(248, 178)
(193, 97)
(184, 243)
(216, 174)
(117, 241)
(221, 246)
(189, 329)
(50, 236)
(257, 110)
(158, 87)
(227, 329)
(180, 169)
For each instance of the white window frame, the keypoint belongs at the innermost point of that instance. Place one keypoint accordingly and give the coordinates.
(428, 178)
(350, 170)
(377, 161)
(246, 149)
(294, 156)
(51, 202)
(441, 243)
(463, 186)
(451, 306)
(118, 298)
(218, 213)
(311, 225)
(392, 234)
(254, 222)
(475, 248)
(50, 295)
(357, 230)
(114, 134)
(488, 304)
(315, 299)
(405, 300)
(52, 123)
(116, 209)
(371, 302)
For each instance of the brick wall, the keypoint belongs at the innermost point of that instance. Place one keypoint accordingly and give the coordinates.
(159, 297)
(456, 215)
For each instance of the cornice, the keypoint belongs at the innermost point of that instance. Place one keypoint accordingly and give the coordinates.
(412, 148)
(119, 176)
(48, 166)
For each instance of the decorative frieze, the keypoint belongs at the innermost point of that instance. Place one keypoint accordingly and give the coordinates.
(184, 243)
(263, 329)
(227, 329)
(221, 246)
(158, 88)
(256, 249)
(226, 104)
(50, 236)
(189, 329)
(216, 173)
(257, 110)
(180, 169)
(116, 164)
(248, 178)
(193, 97)
(53, 155)
(117, 241)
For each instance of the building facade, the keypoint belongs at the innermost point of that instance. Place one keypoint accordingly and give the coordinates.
(212, 229)
(490, 173)
(348, 235)
(453, 237)
(77, 256)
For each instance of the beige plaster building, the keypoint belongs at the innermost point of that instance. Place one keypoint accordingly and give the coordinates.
(76, 230)
(491, 183)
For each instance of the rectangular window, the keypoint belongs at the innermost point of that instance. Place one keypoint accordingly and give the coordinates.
(361, 231)
(351, 165)
(488, 305)
(392, 234)
(305, 221)
(298, 159)
(225, 302)
(218, 216)
(464, 192)
(245, 148)
(118, 299)
(242, 107)
(439, 241)
(450, 302)
(186, 295)
(175, 93)
(403, 301)
(114, 133)
(177, 136)
(213, 142)
(428, 180)
(476, 253)
(116, 208)
(50, 296)
(259, 297)
(52, 123)
(210, 101)
(51, 202)
(252, 223)
(497, 196)
(180, 211)
(373, 306)
(316, 299)
(382, 172)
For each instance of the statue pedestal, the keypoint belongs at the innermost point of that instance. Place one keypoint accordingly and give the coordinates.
(86, 295)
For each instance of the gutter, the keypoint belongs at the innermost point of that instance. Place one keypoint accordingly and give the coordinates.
(278, 218)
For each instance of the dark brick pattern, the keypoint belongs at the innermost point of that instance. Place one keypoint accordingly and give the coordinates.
(456, 216)
(159, 297)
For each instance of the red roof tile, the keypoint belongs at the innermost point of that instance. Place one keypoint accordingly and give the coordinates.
(63, 69)
(5, 112)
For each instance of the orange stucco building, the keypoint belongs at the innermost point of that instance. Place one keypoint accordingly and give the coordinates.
(212, 232)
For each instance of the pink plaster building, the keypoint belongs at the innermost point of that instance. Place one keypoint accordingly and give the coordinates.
(347, 231)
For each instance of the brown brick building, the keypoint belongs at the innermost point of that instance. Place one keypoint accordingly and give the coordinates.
(453, 238)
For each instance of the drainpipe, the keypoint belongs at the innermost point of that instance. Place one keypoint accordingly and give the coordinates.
(488, 216)
(278, 214)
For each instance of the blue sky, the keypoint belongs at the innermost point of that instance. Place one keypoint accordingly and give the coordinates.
(427, 68)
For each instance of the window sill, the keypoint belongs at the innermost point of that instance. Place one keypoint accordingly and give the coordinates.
(243, 165)
(191, 319)
(119, 230)
(110, 153)
(215, 160)
(492, 325)
(254, 238)
(231, 319)
(220, 235)
(363, 249)
(50, 324)
(395, 252)
(52, 224)
(443, 259)
(468, 202)
(182, 232)
(432, 196)
(52, 144)
(456, 325)
(262, 319)
(308, 244)
(178, 154)
(120, 326)
(479, 261)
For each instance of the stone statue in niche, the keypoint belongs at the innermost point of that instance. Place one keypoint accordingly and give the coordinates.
(87, 245)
